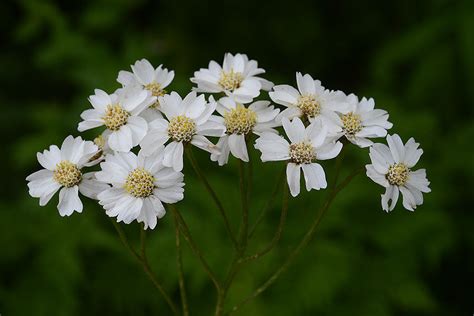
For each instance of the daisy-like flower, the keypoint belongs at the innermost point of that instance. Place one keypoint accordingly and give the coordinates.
(140, 186)
(310, 102)
(360, 121)
(308, 145)
(146, 76)
(187, 120)
(62, 169)
(391, 168)
(119, 113)
(238, 122)
(237, 78)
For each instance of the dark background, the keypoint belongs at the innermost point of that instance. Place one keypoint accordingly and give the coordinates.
(416, 58)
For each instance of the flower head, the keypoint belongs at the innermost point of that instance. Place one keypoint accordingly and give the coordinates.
(188, 120)
(152, 79)
(119, 112)
(237, 78)
(307, 145)
(62, 169)
(360, 121)
(239, 121)
(140, 186)
(311, 101)
(392, 168)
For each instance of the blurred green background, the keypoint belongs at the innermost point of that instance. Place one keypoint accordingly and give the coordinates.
(416, 58)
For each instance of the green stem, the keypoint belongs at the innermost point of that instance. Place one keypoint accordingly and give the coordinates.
(268, 204)
(187, 235)
(213, 194)
(179, 264)
(307, 237)
(277, 235)
(144, 262)
(245, 207)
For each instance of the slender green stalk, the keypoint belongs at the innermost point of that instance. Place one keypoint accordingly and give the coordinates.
(245, 207)
(307, 237)
(187, 235)
(144, 262)
(213, 194)
(268, 204)
(279, 230)
(179, 265)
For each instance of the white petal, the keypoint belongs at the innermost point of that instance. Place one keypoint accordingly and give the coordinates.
(273, 147)
(205, 144)
(412, 153)
(396, 147)
(69, 201)
(328, 151)
(295, 130)
(391, 194)
(49, 158)
(90, 187)
(305, 84)
(138, 127)
(238, 147)
(293, 178)
(314, 176)
(376, 176)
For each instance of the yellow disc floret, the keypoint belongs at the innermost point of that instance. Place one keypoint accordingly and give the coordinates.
(309, 105)
(301, 153)
(351, 123)
(67, 174)
(156, 91)
(140, 183)
(397, 174)
(181, 129)
(240, 120)
(115, 117)
(230, 80)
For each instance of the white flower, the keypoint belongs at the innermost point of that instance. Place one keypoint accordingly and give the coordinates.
(140, 185)
(149, 78)
(63, 170)
(307, 146)
(391, 168)
(237, 78)
(119, 113)
(359, 121)
(239, 121)
(188, 121)
(311, 101)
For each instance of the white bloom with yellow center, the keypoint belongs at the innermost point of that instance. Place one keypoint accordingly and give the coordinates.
(360, 121)
(237, 78)
(152, 79)
(188, 120)
(62, 169)
(306, 147)
(119, 113)
(240, 121)
(140, 186)
(311, 101)
(392, 168)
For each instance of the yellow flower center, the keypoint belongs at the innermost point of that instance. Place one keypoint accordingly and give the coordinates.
(140, 183)
(115, 117)
(351, 123)
(240, 120)
(230, 80)
(309, 105)
(67, 174)
(302, 152)
(156, 91)
(397, 174)
(181, 129)
(100, 142)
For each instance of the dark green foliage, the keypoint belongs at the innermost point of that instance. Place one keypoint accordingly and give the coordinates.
(416, 58)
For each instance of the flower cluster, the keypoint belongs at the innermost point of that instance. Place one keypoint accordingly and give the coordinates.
(146, 127)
